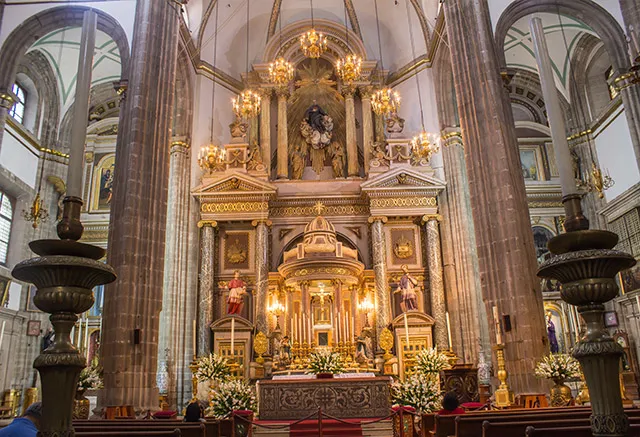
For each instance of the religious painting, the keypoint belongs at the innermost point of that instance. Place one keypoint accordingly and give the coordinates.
(556, 323)
(403, 246)
(4, 291)
(530, 161)
(103, 175)
(236, 251)
(610, 319)
(630, 279)
(541, 238)
(33, 328)
(32, 293)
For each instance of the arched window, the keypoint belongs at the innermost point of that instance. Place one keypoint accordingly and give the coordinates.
(17, 110)
(6, 216)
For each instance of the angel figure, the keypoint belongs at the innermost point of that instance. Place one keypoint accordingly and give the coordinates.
(297, 162)
(255, 157)
(61, 189)
(337, 159)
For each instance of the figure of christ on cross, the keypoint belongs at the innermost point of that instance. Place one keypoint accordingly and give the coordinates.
(237, 289)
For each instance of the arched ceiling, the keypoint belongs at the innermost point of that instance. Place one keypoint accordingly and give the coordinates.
(266, 17)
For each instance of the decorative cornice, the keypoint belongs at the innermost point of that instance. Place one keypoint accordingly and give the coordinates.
(273, 21)
(353, 17)
(32, 141)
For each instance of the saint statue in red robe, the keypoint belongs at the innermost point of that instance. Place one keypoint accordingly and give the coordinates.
(237, 289)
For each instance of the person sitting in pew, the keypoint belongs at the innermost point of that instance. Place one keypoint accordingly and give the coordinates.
(450, 405)
(25, 426)
(194, 413)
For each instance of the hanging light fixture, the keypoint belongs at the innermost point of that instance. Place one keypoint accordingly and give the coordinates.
(37, 214)
(385, 101)
(281, 71)
(247, 104)
(349, 68)
(425, 144)
(211, 157)
(313, 43)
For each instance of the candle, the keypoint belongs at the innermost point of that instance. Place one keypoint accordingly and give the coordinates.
(195, 347)
(4, 322)
(449, 330)
(86, 334)
(233, 335)
(338, 329)
(638, 302)
(304, 328)
(346, 330)
(79, 335)
(496, 320)
(406, 331)
(73, 331)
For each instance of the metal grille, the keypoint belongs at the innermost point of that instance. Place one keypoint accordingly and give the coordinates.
(628, 229)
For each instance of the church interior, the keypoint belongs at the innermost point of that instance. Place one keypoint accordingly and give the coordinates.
(332, 204)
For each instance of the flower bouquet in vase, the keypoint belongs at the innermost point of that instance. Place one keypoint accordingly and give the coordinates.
(430, 362)
(90, 379)
(324, 363)
(559, 368)
(211, 370)
(418, 392)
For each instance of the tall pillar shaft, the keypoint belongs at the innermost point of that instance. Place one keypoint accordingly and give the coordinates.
(352, 144)
(506, 254)
(283, 160)
(265, 128)
(173, 326)
(139, 211)
(206, 286)
(382, 295)
(367, 126)
(436, 283)
(262, 274)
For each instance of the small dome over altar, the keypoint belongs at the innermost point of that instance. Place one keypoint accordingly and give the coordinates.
(320, 235)
(320, 224)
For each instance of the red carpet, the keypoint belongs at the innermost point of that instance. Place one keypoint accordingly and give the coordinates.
(330, 428)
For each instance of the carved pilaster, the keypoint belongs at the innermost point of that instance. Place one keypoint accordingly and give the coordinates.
(262, 274)
(283, 158)
(352, 145)
(206, 288)
(367, 124)
(265, 127)
(436, 283)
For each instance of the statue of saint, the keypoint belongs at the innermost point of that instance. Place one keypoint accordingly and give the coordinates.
(297, 162)
(337, 160)
(551, 333)
(314, 117)
(407, 288)
(285, 350)
(316, 127)
(364, 351)
(255, 157)
(237, 289)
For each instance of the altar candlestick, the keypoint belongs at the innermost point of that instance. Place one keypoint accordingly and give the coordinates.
(233, 335)
(449, 330)
(292, 329)
(406, 330)
(304, 328)
(338, 329)
(195, 347)
(346, 330)
(496, 319)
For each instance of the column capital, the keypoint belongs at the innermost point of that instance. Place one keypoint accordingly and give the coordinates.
(378, 218)
(256, 222)
(179, 144)
(282, 91)
(348, 90)
(366, 91)
(7, 99)
(207, 223)
(265, 93)
(431, 217)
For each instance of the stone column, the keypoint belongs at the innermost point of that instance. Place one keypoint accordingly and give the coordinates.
(283, 141)
(262, 274)
(379, 127)
(206, 286)
(350, 120)
(506, 254)
(436, 283)
(265, 127)
(367, 125)
(382, 295)
(174, 326)
(139, 211)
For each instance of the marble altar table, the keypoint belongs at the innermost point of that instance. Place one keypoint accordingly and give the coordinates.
(340, 397)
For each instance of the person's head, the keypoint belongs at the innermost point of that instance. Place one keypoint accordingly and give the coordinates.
(34, 413)
(236, 274)
(405, 268)
(193, 413)
(450, 401)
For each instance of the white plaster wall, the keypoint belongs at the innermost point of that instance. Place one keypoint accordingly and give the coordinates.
(616, 155)
(410, 103)
(18, 158)
(15, 12)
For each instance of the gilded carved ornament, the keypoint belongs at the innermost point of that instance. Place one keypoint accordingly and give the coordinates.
(403, 248)
(380, 218)
(429, 217)
(203, 223)
(256, 222)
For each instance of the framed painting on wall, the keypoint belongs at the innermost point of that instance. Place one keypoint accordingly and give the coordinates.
(629, 280)
(531, 162)
(33, 328)
(102, 190)
(32, 293)
(237, 252)
(403, 246)
(4, 291)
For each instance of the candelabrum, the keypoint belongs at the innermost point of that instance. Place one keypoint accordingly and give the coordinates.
(504, 396)
(211, 158)
(313, 43)
(247, 104)
(597, 181)
(586, 265)
(281, 71)
(349, 68)
(37, 213)
(194, 379)
(424, 145)
(385, 101)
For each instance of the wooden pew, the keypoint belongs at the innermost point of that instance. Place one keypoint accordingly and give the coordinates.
(518, 428)
(472, 426)
(160, 433)
(136, 426)
(581, 431)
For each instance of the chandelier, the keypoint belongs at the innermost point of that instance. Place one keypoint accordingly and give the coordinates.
(281, 71)
(37, 213)
(349, 68)
(424, 145)
(211, 158)
(313, 43)
(385, 101)
(247, 104)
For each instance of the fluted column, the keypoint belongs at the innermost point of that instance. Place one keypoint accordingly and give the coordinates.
(262, 274)
(367, 125)
(265, 127)
(382, 295)
(506, 253)
(436, 283)
(283, 141)
(173, 326)
(139, 211)
(206, 286)
(350, 119)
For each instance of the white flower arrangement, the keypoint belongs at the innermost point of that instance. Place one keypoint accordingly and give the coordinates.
(419, 392)
(231, 396)
(212, 367)
(90, 379)
(325, 361)
(430, 361)
(558, 366)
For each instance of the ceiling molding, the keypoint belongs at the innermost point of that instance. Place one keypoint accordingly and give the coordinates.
(423, 21)
(353, 17)
(205, 22)
(273, 21)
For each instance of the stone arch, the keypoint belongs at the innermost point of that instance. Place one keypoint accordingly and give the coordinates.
(183, 109)
(42, 23)
(445, 91)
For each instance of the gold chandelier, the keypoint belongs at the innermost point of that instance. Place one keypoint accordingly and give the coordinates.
(210, 158)
(247, 104)
(425, 145)
(385, 101)
(313, 43)
(281, 71)
(349, 68)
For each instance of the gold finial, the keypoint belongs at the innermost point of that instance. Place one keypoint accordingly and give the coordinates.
(319, 207)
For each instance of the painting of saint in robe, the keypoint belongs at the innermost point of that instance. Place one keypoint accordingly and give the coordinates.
(103, 177)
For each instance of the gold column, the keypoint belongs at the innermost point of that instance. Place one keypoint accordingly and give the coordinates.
(367, 125)
(382, 295)
(352, 145)
(265, 127)
(283, 158)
